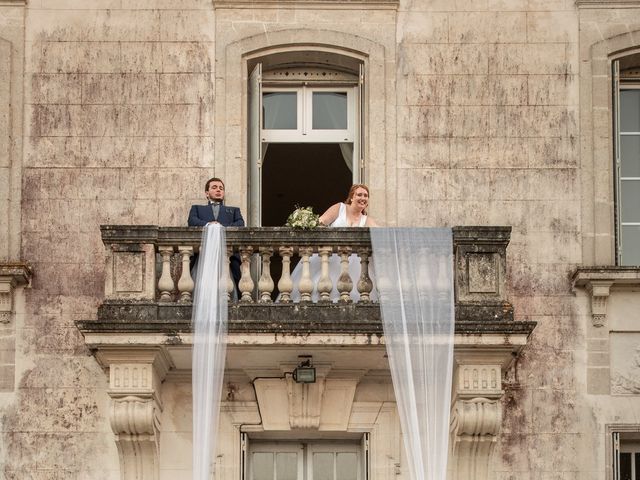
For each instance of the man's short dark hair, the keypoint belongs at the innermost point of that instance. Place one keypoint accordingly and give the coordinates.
(213, 179)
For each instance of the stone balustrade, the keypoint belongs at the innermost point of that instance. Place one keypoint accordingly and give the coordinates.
(152, 264)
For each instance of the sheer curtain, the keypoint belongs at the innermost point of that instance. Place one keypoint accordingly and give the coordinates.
(209, 346)
(414, 276)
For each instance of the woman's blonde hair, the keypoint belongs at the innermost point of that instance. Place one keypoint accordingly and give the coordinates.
(352, 192)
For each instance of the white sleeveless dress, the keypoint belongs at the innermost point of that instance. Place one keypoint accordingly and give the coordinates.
(334, 267)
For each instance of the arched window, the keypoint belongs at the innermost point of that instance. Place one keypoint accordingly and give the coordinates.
(305, 130)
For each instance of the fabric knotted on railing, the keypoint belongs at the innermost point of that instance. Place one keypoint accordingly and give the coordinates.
(414, 277)
(209, 346)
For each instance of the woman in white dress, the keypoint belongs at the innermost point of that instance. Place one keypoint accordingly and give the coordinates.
(351, 213)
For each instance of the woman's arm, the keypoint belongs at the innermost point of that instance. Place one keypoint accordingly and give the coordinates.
(328, 217)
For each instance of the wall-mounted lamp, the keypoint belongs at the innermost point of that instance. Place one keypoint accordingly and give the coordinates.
(304, 372)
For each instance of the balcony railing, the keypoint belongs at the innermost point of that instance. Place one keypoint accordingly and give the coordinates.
(148, 284)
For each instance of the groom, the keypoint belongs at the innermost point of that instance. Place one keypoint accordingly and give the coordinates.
(217, 212)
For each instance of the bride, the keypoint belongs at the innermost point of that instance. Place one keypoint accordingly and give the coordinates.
(351, 213)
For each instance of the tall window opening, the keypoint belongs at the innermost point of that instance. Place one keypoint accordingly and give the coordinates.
(305, 130)
(626, 76)
(626, 455)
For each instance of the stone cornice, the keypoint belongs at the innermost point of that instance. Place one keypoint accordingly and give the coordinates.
(608, 3)
(324, 4)
(12, 3)
(20, 273)
(598, 282)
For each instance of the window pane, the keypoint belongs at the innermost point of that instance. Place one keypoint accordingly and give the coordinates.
(329, 111)
(346, 466)
(630, 155)
(279, 111)
(630, 110)
(262, 466)
(630, 245)
(323, 466)
(286, 466)
(630, 199)
(637, 466)
(625, 466)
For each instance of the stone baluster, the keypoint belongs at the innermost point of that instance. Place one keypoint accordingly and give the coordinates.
(246, 282)
(230, 284)
(365, 285)
(306, 284)
(345, 284)
(265, 283)
(185, 283)
(165, 283)
(285, 285)
(325, 285)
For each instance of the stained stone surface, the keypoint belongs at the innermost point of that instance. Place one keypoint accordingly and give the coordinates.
(493, 115)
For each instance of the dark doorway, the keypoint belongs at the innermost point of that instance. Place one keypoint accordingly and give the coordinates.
(303, 174)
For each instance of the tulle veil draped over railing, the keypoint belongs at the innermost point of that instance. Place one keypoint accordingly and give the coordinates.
(414, 277)
(209, 320)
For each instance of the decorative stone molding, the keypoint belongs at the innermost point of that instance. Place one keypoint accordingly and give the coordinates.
(12, 275)
(476, 416)
(135, 378)
(599, 291)
(325, 4)
(323, 405)
(598, 281)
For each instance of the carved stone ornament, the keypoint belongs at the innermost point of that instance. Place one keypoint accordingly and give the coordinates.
(476, 416)
(135, 378)
(12, 275)
(598, 281)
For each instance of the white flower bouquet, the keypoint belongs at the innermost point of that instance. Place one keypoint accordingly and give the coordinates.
(304, 218)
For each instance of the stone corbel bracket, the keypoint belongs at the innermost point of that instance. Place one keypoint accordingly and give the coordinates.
(135, 378)
(12, 275)
(323, 405)
(476, 414)
(598, 282)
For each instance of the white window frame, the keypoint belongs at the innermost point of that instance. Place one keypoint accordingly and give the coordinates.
(305, 451)
(334, 448)
(305, 133)
(619, 133)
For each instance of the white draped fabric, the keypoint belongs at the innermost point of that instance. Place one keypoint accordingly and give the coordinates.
(209, 346)
(414, 276)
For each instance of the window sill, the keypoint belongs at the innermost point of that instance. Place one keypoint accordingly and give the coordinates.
(598, 281)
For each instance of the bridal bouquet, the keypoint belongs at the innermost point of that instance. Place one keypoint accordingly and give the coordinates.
(304, 218)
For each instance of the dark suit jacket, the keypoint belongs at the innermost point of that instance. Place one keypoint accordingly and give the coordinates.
(200, 215)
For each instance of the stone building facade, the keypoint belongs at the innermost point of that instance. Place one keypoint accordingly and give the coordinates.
(475, 114)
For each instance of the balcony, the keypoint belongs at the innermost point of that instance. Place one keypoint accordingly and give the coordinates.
(148, 285)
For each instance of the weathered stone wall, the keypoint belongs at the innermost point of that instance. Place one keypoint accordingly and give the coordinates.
(123, 124)
(488, 134)
(118, 129)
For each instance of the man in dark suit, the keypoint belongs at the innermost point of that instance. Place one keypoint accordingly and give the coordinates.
(217, 212)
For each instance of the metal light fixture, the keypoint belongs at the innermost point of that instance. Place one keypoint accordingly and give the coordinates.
(304, 372)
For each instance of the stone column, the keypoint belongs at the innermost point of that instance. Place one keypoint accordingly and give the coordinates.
(476, 416)
(135, 378)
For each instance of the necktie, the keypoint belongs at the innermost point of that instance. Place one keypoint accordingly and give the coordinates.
(216, 210)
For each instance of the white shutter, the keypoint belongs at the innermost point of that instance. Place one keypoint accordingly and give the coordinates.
(358, 141)
(255, 147)
(616, 456)
(616, 150)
